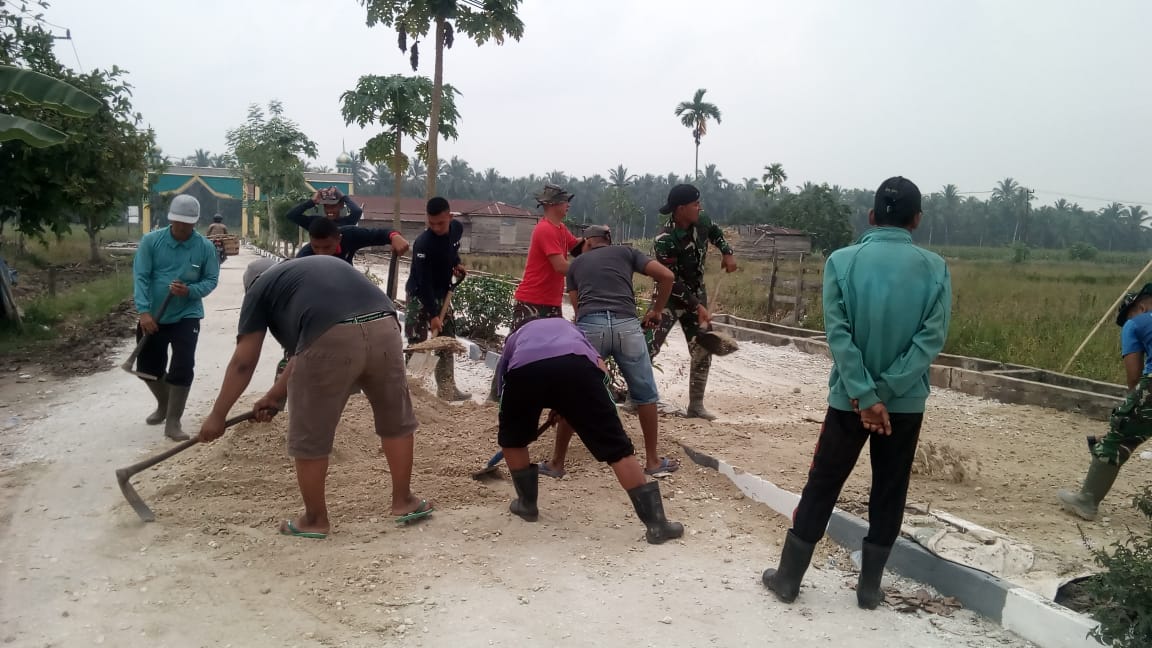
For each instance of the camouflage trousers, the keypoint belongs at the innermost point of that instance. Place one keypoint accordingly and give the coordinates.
(1129, 426)
(523, 312)
(416, 321)
(700, 361)
(689, 324)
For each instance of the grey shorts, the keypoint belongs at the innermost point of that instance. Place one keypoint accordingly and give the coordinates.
(369, 356)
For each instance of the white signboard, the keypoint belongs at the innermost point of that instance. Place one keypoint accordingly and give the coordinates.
(133, 214)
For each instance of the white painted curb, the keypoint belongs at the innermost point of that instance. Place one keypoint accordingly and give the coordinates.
(1023, 612)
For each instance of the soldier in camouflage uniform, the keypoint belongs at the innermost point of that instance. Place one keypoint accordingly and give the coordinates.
(435, 260)
(1131, 422)
(682, 246)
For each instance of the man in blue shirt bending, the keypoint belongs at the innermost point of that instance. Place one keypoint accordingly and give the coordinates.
(178, 264)
(1131, 422)
(887, 304)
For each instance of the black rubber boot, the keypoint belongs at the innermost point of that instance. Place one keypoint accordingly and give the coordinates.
(872, 560)
(159, 389)
(650, 509)
(527, 483)
(784, 581)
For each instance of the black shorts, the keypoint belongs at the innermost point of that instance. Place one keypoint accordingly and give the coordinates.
(572, 386)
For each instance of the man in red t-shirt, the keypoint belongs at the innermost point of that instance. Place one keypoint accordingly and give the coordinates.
(541, 290)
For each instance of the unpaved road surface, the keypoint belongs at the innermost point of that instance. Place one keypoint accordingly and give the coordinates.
(77, 568)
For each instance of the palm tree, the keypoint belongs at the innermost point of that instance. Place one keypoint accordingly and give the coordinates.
(400, 104)
(1008, 195)
(557, 178)
(457, 177)
(492, 20)
(619, 177)
(695, 115)
(1112, 218)
(949, 207)
(1136, 218)
(774, 177)
(201, 158)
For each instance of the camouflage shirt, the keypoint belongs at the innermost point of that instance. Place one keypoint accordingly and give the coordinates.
(683, 252)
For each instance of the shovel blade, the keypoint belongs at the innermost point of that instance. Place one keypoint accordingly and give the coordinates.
(421, 364)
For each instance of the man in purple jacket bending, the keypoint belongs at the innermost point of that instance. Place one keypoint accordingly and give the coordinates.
(548, 363)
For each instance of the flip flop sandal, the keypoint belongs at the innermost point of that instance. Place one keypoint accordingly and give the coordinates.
(424, 510)
(288, 528)
(548, 471)
(666, 467)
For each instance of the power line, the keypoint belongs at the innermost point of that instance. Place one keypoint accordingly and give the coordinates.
(40, 19)
(78, 63)
(67, 36)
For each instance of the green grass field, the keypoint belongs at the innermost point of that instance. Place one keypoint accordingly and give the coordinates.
(1034, 313)
(109, 284)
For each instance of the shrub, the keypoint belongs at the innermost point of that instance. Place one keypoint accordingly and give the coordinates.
(1082, 252)
(481, 305)
(1020, 252)
(1122, 594)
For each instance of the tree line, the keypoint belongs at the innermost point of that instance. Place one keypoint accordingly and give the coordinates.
(1004, 215)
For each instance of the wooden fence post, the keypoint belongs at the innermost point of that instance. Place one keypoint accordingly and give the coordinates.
(799, 290)
(772, 285)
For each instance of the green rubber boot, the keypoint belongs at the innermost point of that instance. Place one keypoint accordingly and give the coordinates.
(1086, 503)
(159, 389)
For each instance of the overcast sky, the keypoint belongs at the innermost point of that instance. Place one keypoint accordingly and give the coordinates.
(1054, 93)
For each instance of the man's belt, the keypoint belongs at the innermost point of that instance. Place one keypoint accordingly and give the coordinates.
(370, 317)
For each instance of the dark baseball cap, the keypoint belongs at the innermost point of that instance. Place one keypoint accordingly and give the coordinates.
(897, 200)
(597, 231)
(591, 231)
(681, 194)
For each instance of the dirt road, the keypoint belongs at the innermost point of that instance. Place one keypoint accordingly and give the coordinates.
(77, 568)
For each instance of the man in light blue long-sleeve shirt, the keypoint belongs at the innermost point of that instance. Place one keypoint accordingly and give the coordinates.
(175, 268)
(887, 304)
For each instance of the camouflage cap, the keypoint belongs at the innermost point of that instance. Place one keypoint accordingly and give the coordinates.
(1127, 302)
(553, 194)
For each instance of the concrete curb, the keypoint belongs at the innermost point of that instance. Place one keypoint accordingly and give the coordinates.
(1016, 609)
(1006, 383)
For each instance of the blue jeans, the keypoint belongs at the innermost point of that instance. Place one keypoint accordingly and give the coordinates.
(622, 339)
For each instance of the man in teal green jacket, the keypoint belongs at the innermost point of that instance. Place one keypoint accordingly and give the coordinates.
(179, 265)
(887, 304)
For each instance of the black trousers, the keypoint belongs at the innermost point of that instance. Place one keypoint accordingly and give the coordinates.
(182, 337)
(573, 387)
(842, 437)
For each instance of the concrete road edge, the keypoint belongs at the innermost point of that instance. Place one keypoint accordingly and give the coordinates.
(1014, 608)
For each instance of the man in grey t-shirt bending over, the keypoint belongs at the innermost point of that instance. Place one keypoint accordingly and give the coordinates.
(340, 331)
(600, 289)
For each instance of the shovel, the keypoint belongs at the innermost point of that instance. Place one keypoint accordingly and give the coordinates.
(494, 462)
(124, 474)
(421, 364)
